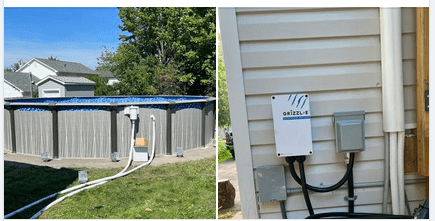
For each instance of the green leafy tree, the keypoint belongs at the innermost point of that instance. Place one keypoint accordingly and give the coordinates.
(101, 88)
(167, 51)
(224, 110)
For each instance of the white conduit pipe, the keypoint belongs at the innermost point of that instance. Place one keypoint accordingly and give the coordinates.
(62, 198)
(130, 159)
(393, 174)
(392, 91)
(105, 181)
(121, 173)
(401, 170)
(386, 173)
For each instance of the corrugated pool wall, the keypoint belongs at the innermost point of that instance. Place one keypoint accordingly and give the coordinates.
(333, 55)
(88, 133)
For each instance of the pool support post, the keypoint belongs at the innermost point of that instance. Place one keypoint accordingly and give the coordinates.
(113, 128)
(169, 110)
(54, 113)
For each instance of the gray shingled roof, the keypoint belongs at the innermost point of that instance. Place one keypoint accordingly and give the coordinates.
(67, 67)
(21, 80)
(106, 74)
(73, 80)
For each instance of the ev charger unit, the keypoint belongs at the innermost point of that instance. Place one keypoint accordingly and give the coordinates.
(292, 124)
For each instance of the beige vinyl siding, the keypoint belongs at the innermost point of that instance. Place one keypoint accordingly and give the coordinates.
(333, 55)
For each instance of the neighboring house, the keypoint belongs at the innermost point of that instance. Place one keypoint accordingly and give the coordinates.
(111, 79)
(65, 86)
(17, 84)
(42, 68)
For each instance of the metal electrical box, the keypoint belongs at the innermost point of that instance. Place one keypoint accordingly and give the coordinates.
(349, 131)
(292, 124)
(271, 183)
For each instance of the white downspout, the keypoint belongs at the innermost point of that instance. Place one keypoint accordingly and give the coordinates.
(392, 97)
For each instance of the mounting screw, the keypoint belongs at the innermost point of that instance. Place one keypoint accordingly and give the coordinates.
(273, 97)
(311, 152)
(306, 95)
(279, 154)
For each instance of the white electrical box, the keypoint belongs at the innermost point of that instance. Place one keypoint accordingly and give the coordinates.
(292, 124)
(140, 154)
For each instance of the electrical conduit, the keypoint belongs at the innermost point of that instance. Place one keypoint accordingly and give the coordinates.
(392, 97)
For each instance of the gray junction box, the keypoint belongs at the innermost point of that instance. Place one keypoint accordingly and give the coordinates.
(271, 183)
(349, 131)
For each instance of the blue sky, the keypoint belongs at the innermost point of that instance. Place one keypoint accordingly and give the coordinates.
(70, 34)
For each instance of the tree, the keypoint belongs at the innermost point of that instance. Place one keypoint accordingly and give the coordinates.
(101, 88)
(18, 65)
(51, 57)
(224, 110)
(167, 50)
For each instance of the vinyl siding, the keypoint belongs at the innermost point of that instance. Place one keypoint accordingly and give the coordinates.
(333, 55)
(10, 92)
(38, 69)
(49, 85)
(79, 90)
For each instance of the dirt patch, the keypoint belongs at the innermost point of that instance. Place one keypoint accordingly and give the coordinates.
(14, 159)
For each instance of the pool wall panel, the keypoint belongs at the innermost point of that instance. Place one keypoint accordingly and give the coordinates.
(33, 132)
(186, 129)
(210, 116)
(7, 132)
(84, 134)
(87, 132)
(144, 130)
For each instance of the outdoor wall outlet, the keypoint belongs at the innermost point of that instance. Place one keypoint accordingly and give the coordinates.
(349, 131)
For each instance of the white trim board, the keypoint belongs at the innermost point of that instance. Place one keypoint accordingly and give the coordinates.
(238, 113)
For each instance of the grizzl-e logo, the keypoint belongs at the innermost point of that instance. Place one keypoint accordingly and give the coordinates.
(292, 113)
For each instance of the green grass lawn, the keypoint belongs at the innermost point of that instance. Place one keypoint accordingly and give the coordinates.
(171, 191)
(223, 153)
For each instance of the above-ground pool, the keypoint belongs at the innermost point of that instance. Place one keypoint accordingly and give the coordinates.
(95, 127)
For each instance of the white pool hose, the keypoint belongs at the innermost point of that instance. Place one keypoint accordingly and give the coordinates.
(95, 182)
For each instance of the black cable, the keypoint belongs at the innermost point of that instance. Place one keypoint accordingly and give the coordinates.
(350, 193)
(358, 215)
(283, 210)
(301, 160)
(290, 161)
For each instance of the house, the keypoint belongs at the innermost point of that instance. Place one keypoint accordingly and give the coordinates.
(336, 57)
(111, 79)
(42, 68)
(18, 84)
(65, 86)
